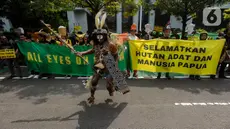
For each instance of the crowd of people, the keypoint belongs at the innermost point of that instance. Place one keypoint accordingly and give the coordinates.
(9, 41)
(169, 34)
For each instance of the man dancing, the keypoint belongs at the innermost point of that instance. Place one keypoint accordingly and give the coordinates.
(103, 49)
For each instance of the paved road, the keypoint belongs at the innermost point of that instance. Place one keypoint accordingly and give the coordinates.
(152, 104)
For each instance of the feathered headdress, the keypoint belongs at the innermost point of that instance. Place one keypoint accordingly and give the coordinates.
(100, 19)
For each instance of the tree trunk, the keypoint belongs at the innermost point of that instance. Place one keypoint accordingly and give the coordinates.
(184, 18)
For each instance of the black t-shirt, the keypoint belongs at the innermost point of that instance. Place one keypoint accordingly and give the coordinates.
(184, 38)
(7, 45)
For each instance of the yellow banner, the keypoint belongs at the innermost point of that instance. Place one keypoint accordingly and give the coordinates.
(7, 53)
(176, 56)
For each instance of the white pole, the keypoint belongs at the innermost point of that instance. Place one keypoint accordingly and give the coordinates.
(140, 18)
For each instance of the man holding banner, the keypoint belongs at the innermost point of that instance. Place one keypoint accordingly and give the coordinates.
(203, 36)
(8, 52)
(132, 36)
(166, 36)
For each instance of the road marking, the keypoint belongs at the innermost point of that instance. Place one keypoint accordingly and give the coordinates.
(1, 78)
(36, 77)
(62, 78)
(31, 76)
(203, 104)
(85, 78)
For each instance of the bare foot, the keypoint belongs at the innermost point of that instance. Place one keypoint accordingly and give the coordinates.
(108, 101)
(91, 100)
(111, 93)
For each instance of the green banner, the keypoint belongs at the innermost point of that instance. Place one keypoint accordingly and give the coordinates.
(46, 58)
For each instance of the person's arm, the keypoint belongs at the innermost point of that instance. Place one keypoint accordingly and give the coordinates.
(90, 51)
(114, 50)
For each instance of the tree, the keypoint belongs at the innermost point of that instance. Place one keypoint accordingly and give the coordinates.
(227, 14)
(186, 8)
(27, 13)
(111, 6)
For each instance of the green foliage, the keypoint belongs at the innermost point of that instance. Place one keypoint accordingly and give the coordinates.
(221, 30)
(27, 13)
(226, 14)
(190, 7)
(186, 8)
(199, 30)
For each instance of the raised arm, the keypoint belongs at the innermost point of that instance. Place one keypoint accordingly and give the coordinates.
(90, 51)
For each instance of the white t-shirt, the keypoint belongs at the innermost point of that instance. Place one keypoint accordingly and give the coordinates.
(132, 37)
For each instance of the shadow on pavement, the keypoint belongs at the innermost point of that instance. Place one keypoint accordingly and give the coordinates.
(25, 89)
(96, 116)
(217, 86)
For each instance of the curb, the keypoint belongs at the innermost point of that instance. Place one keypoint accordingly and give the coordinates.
(85, 78)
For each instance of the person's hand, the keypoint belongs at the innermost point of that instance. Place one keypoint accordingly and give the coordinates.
(78, 53)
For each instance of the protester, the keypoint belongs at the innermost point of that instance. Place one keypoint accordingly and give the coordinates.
(23, 38)
(5, 44)
(175, 35)
(132, 36)
(80, 40)
(166, 36)
(185, 37)
(147, 34)
(227, 47)
(203, 36)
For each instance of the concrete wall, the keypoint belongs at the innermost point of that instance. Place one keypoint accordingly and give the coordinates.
(119, 22)
(77, 18)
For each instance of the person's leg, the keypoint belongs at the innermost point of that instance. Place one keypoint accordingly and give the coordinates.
(167, 76)
(158, 75)
(197, 77)
(11, 67)
(135, 73)
(95, 80)
(109, 85)
(214, 76)
(128, 73)
(222, 70)
(18, 68)
(192, 77)
(2, 62)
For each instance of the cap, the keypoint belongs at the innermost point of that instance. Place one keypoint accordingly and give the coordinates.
(133, 27)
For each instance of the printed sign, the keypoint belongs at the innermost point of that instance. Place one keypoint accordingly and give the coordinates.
(7, 53)
(176, 56)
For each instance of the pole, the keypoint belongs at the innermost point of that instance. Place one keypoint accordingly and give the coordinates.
(140, 18)
(63, 41)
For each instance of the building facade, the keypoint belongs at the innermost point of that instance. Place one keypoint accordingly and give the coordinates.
(121, 24)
